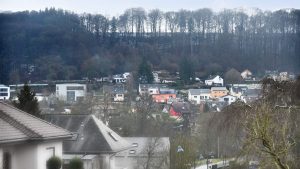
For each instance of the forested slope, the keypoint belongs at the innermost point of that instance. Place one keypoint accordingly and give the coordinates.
(58, 44)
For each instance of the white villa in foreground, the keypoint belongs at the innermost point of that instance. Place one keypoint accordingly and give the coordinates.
(27, 142)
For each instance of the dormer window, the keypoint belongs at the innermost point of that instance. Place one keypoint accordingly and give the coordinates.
(135, 144)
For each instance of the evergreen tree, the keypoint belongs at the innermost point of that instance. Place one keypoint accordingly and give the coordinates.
(186, 71)
(145, 72)
(27, 101)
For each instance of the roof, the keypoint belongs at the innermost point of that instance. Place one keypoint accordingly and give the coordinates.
(212, 77)
(18, 126)
(115, 89)
(199, 91)
(1, 85)
(93, 137)
(152, 86)
(218, 88)
(181, 107)
(252, 92)
(167, 91)
(139, 146)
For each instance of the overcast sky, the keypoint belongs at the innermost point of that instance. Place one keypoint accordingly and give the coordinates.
(116, 7)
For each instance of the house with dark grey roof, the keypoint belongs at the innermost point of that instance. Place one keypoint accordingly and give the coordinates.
(115, 92)
(27, 142)
(198, 95)
(93, 142)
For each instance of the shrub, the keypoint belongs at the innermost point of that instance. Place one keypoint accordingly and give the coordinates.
(54, 163)
(76, 163)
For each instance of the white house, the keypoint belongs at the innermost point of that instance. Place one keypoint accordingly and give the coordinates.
(246, 74)
(4, 92)
(198, 95)
(214, 80)
(228, 99)
(70, 92)
(27, 141)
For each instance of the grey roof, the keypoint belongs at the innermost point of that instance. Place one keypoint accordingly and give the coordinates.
(140, 145)
(93, 137)
(252, 92)
(16, 126)
(199, 91)
(167, 91)
(218, 88)
(146, 86)
(115, 89)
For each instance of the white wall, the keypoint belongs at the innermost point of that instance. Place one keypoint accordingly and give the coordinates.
(30, 155)
(4, 92)
(61, 90)
(43, 154)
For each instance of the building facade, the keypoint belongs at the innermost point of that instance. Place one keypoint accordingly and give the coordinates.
(70, 92)
(4, 92)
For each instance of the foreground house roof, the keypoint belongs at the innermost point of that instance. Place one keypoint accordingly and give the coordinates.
(91, 135)
(18, 126)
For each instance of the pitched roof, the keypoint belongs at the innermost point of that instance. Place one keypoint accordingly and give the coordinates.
(93, 137)
(17, 125)
(181, 107)
(199, 91)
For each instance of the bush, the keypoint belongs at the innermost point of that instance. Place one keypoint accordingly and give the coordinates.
(76, 163)
(54, 163)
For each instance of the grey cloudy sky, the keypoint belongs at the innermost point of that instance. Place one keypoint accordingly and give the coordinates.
(116, 7)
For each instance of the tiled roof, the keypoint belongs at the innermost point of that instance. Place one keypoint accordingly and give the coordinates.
(93, 137)
(17, 125)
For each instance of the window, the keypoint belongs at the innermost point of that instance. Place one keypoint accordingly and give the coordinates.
(113, 136)
(3, 94)
(132, 152)
(135, 144)
(119, 95)
(70, 96)
(195, 97)
(3, 90)
(75, 88)
(6, 160)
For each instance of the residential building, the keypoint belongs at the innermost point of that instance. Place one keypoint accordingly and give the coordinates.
(214, 81)
(228, 99)
(198, 95)
(164, 95)
(4, 92)
(150, 88)
(251, 95)
(154, 150)
(93, 141)
(217, 92)
(71, 92)
(246, 74)
(116, 92)
(179, 108)
(27, 142)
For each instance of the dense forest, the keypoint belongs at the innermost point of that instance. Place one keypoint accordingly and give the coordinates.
(54, 44)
